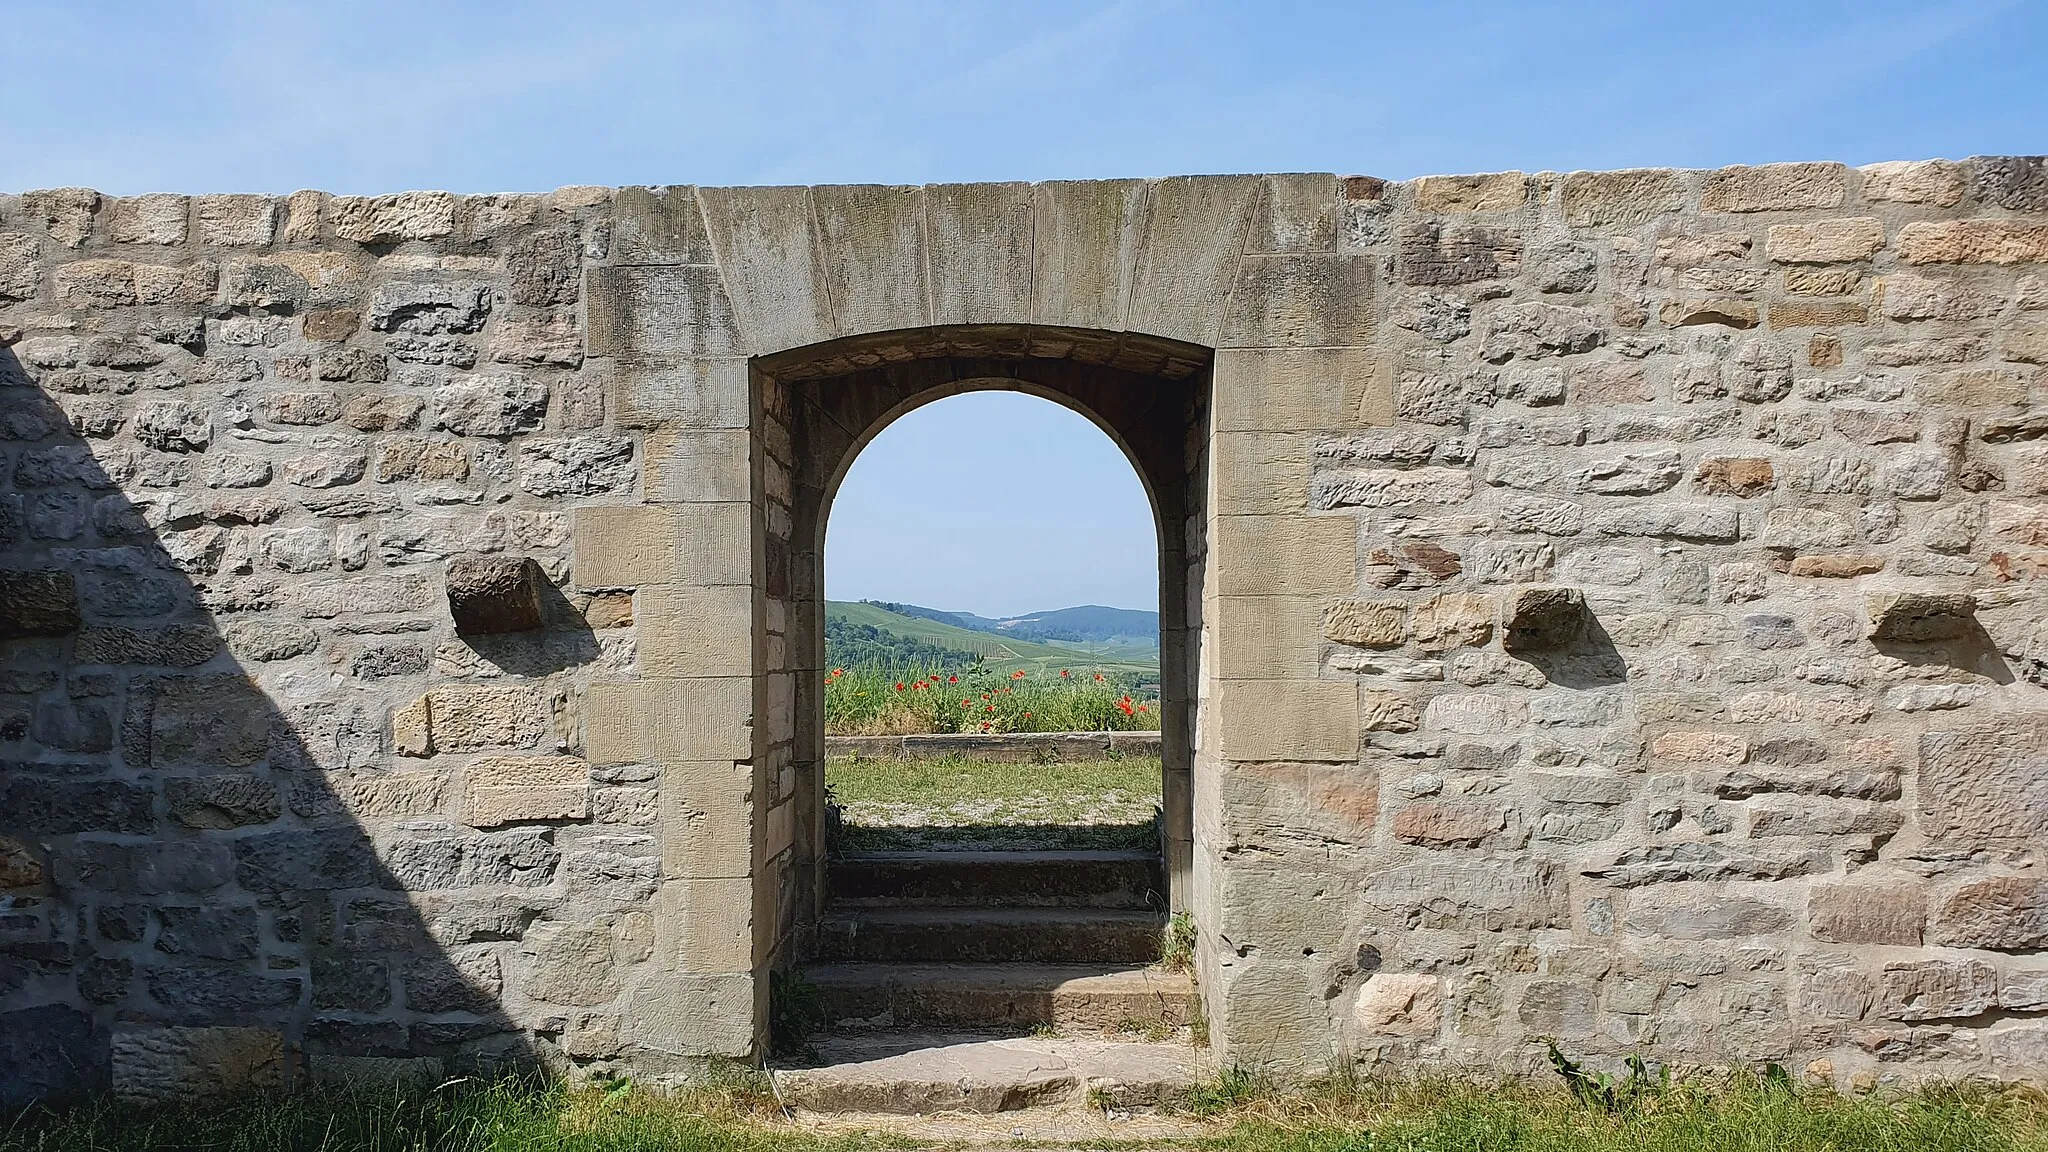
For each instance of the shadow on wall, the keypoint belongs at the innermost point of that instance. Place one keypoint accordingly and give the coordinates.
(187, 898)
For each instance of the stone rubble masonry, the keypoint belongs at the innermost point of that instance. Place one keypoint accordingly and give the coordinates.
(1614, 608)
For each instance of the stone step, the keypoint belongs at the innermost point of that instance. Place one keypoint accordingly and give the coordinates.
(919, 1074)
(1070, 997)
(1077, 879)
(1007, 935)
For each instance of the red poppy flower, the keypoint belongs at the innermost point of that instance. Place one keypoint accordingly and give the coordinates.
(899, 685)
(1098, 677)
(952, 679)
(1064, 673)
(1017, 675)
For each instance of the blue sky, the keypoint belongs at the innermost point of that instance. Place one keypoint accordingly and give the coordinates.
(502, 95)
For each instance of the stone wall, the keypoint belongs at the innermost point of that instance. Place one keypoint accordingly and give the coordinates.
(1767, 777)
(1608, 606)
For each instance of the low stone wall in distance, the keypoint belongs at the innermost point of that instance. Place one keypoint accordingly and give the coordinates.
(1029, 746)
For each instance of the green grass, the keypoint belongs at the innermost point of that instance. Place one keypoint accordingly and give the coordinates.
(873, 701)
(961, 802)
(1739, 1113)
(1002, 653)
(506, 1116)
(1742, 1112)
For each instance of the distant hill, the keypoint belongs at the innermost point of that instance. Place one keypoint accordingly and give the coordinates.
(1089, 623)
(870, 631)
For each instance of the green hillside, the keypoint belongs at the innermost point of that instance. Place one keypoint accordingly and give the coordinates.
(1002, 652)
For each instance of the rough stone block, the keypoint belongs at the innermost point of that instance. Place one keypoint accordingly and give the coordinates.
(1827, 242)
(1866, 914)
(1543, 619)
(1627, 197)
(1986, 781)
(236, 221)
(476, 717)
(1936, 990)
(389, 219)
(1492, 192)
(514, 789)
(570, 963)
(2003, 913)
(1935, 182)
(488, 595)
(1289, 720)
(1774, 188)
(1972, 242)
(169, 1065)
(1367, 623)
(37, 602)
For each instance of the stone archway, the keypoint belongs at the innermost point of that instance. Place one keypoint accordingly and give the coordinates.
(1148, 394)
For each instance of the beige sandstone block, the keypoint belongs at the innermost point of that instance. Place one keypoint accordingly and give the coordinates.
(1268, 637)
(693, 631)
(1817, 313)
(1285, 555)
(769, 253)
(674, 312)
(1288, 720)
(1936, 182)
(980, 252)
(1367, 623)
(1305, 390)
(702, 394)
(1700, 747)
(1261, 472)
(1628, 197)
(1866, 913)
(1492, 192)
(154, 219)
(1085, 239)
(1827, 242)
(509, 789)
(872, 256)
(2025, 344)
(474, 718)
(668, 721)
(1399, 1004)
(696, 1016)
(718, 925)
(1296, 213)
(636, 545)
(1973, 242)
(1194, 236)
(1774, 187)
(1452, 620)
(683, 466)
(1314, 300)
(707, 819)
(659, 226)
(388, 219)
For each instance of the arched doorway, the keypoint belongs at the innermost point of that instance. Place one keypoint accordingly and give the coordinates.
(822, 404)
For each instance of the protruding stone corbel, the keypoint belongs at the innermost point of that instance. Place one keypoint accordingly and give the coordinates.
(1918, 617)
(1543, 619)
(488, 595)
